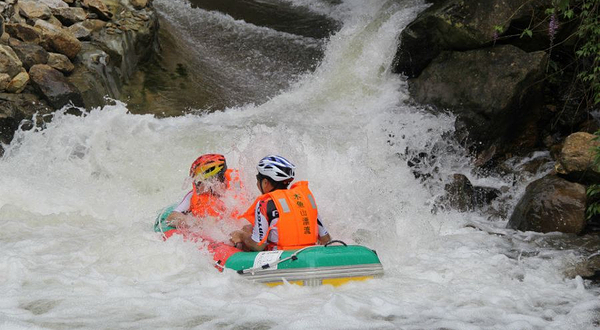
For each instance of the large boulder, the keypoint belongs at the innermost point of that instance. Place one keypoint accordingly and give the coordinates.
(457, 25)
(54, 86)
(551, 204)
(461, 195)
(493, 91)
(14, 108)
(576, 158)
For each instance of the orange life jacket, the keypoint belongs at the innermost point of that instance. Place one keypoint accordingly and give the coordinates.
(297, 225)
(207, 204)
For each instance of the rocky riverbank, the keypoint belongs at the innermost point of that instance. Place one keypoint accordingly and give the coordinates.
(55, 53)
(502, 68)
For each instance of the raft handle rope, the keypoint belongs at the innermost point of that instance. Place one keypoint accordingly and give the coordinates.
(335, 241)
(294, 257)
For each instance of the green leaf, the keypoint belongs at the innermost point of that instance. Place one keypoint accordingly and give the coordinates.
(527, 32)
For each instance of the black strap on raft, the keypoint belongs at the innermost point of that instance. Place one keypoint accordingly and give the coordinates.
(335, 241)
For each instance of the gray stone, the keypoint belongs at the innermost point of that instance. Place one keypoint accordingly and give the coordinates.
(551, 204)
(54, 86)
(492, 90)
(458, 25)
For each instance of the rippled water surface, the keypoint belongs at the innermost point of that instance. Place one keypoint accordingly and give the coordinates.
(78, 199)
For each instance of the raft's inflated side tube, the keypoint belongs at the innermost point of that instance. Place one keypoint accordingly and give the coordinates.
(311, 266)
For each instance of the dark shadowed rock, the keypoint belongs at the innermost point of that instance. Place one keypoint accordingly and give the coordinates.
(456, 25)
(551, 204)
(69, 15)
(54, 86)
(494, 91)
(29, 54)
(16, 107)
(461, 195)
(24, 32)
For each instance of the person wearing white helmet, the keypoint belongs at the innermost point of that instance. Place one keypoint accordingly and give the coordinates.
(282, 218)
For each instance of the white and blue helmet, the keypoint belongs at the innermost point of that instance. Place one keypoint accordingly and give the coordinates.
(277, 168)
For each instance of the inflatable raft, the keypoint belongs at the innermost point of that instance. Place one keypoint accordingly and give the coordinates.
(335, 263)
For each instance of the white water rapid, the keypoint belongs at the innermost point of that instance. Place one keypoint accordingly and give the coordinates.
(78, 200)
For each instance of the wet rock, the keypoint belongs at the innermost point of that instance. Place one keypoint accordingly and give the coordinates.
(70, 15)
(494, 91)
(14, 108)
(60, 62)
(24, 32)
(59, 40)
(9, 61)
(53, 85)
(461, 195)
(34, 9)
(457, 25)
(29, 54)
(576, 158)
(551, 204)
(18, 83)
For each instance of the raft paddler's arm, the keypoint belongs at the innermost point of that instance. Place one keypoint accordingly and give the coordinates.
(176, 219)
(324, 239)
(241, 236)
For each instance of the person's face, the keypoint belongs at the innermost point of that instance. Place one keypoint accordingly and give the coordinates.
(263, 185)
(213, 186)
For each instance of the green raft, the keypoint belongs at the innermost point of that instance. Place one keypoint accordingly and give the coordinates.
(335, 263)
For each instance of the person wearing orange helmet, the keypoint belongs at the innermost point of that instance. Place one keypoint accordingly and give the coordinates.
(211, 179)
(283, 218)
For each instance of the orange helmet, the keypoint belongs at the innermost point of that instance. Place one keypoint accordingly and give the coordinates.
(208, 166)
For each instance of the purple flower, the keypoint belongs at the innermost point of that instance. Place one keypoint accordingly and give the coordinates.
(552, 26)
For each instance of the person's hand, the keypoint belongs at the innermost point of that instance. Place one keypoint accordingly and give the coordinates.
(237, 237)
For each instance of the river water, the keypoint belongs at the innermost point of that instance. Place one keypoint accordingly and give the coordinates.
(78, 199)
